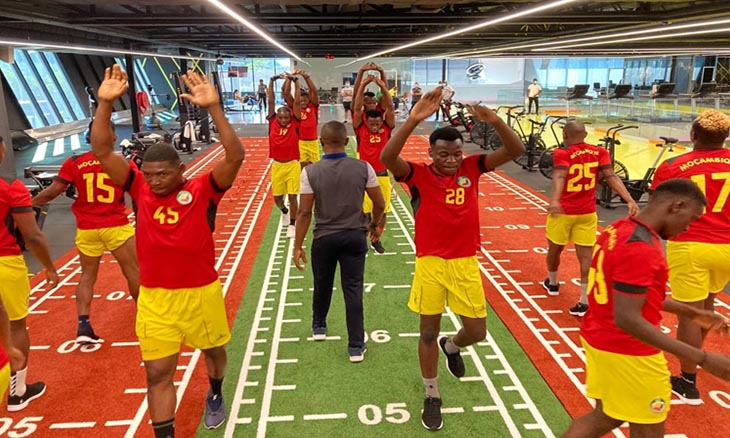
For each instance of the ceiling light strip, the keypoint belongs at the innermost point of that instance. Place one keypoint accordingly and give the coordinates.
(625, 40)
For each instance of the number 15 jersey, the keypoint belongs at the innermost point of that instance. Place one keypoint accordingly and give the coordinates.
(446, 208)
(583, 162)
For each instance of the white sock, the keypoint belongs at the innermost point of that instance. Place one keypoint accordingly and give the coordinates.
(17, 382)
(583, 293)
(553, 277)
(450, 347)
(432, 388)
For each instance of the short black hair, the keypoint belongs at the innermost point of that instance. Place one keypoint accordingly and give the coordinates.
(159, 152)
(373, 114)
(368, 94)
(447, 133)
(680, 187)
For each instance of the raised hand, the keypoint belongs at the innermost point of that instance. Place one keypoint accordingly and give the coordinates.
(482, 113)
(428, 105)
(202, 92)
(114, 84)
(709, 320)
(717, 364)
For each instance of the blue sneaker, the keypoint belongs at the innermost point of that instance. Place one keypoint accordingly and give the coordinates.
(215, 411)
(357, 354)
(319, 333)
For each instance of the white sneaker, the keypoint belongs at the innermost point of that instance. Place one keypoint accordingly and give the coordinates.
(285, 218)
(291, 231)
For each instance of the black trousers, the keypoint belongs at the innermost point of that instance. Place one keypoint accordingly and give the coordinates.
(348, 248)
(537, 105)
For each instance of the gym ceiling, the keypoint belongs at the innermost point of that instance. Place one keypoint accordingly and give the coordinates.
(357, 28)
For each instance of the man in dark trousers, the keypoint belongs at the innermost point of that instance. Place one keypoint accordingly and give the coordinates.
(336, 186)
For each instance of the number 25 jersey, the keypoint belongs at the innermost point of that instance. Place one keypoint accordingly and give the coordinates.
(583, 162)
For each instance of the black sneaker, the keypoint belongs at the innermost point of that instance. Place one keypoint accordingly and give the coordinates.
(579, 309)
(552, 289)
(686, 391)
(85, 335)
(378, 247)
(19, 402)
(454, 362)
(431, 416)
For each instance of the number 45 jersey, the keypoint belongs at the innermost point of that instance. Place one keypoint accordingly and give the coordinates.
(447, 208)
(710, 170)
(583, 162)
(175, 232)
(100, 203)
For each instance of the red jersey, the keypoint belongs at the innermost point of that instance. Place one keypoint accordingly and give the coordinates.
(710, 170)
(370, 145)
(309, 118)
(583, 162)
(627, 259)
(14, 199)
(100, 203)
(174, 232)
(447, 208)
(283, 141)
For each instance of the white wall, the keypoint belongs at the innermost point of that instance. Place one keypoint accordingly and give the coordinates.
(326, 74)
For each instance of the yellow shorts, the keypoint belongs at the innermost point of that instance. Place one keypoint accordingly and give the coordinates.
(4, 379)
(697, 269)
(309, 150)
(632, 388)
(14, 287)
(93, 243)
(454, 282)
(367, 204)
(285, 178)
(577, 228)
(167, 318)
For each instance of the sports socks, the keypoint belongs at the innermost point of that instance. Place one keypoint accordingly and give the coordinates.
(689, 377)
(164, 429)
(292, 222)
(432, 389)
(450, 347)
(553, 277)
(583, 293)
(83, 319)
(284, 210)
(17, 382)
(215, 386)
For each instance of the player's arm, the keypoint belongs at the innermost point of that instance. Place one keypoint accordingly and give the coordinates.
(618, 186)
(313, 94)
(297, 104)
(372, 188)
(270, 97)
(49, 194)
(383, 91)
(37, 243)
(15, 355)
(357, 104)
(203, 94)
(286, 91)
(559, 176)
(303, 220)
(360, 77)
(386, 101)
(512, 147)
(112, 88)
(390, 155)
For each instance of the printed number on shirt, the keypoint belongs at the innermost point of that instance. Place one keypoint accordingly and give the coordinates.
(701, 181)
(455, 196)
(580, 171)
(596, 278)
(98, 188)
(374, 139)
(166, 215)
(283, 131)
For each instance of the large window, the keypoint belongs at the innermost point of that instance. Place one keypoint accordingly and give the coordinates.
(42, 88)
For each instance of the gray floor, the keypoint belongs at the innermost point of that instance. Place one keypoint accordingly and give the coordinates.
(60, 224)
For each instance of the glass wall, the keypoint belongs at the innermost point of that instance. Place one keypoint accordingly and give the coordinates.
(244, 74)
(42, 88)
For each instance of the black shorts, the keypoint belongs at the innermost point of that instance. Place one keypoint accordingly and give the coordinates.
(346, 105)
(262, 97)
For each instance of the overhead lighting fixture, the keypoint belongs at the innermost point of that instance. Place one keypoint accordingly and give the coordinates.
(560, 42)
(625, 40)
(236, 16)
(71, 47)
(483, 24)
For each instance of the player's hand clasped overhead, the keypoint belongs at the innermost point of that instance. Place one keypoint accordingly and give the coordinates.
(429, 104)
(114, 84)
(202, 92)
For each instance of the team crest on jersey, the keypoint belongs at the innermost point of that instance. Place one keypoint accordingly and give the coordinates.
(658, 405)
(184, 197)
(463, 181)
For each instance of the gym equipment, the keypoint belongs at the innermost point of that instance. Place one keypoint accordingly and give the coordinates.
(604, 194)
(622, 91)
(706, 91)
(638, 187)
(578, 92)
(545, 162)
(534, 145)
(662, 92)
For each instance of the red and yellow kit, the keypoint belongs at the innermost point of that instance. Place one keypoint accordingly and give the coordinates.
(583, 162)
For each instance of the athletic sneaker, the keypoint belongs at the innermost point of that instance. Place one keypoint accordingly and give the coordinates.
(579, 309)
(378, 247)
(319, 333)
(431, 416)
(285, 219)
(454, 362)
(291, 231)
(19, 402)
(686, 391)
(552, 289)
(215, 411)
(85, 335)
(357, 354)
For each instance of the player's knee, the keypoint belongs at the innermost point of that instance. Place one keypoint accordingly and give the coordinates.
(157, 375)
(477, 333)
(429, 336)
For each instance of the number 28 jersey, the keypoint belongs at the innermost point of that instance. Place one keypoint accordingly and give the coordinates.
(100, 203)
(446, 208)
(174, 232)
(583, 162)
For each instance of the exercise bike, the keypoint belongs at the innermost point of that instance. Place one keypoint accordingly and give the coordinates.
(638, 187)
(604, 194)
(545, 162)
(534, 145)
